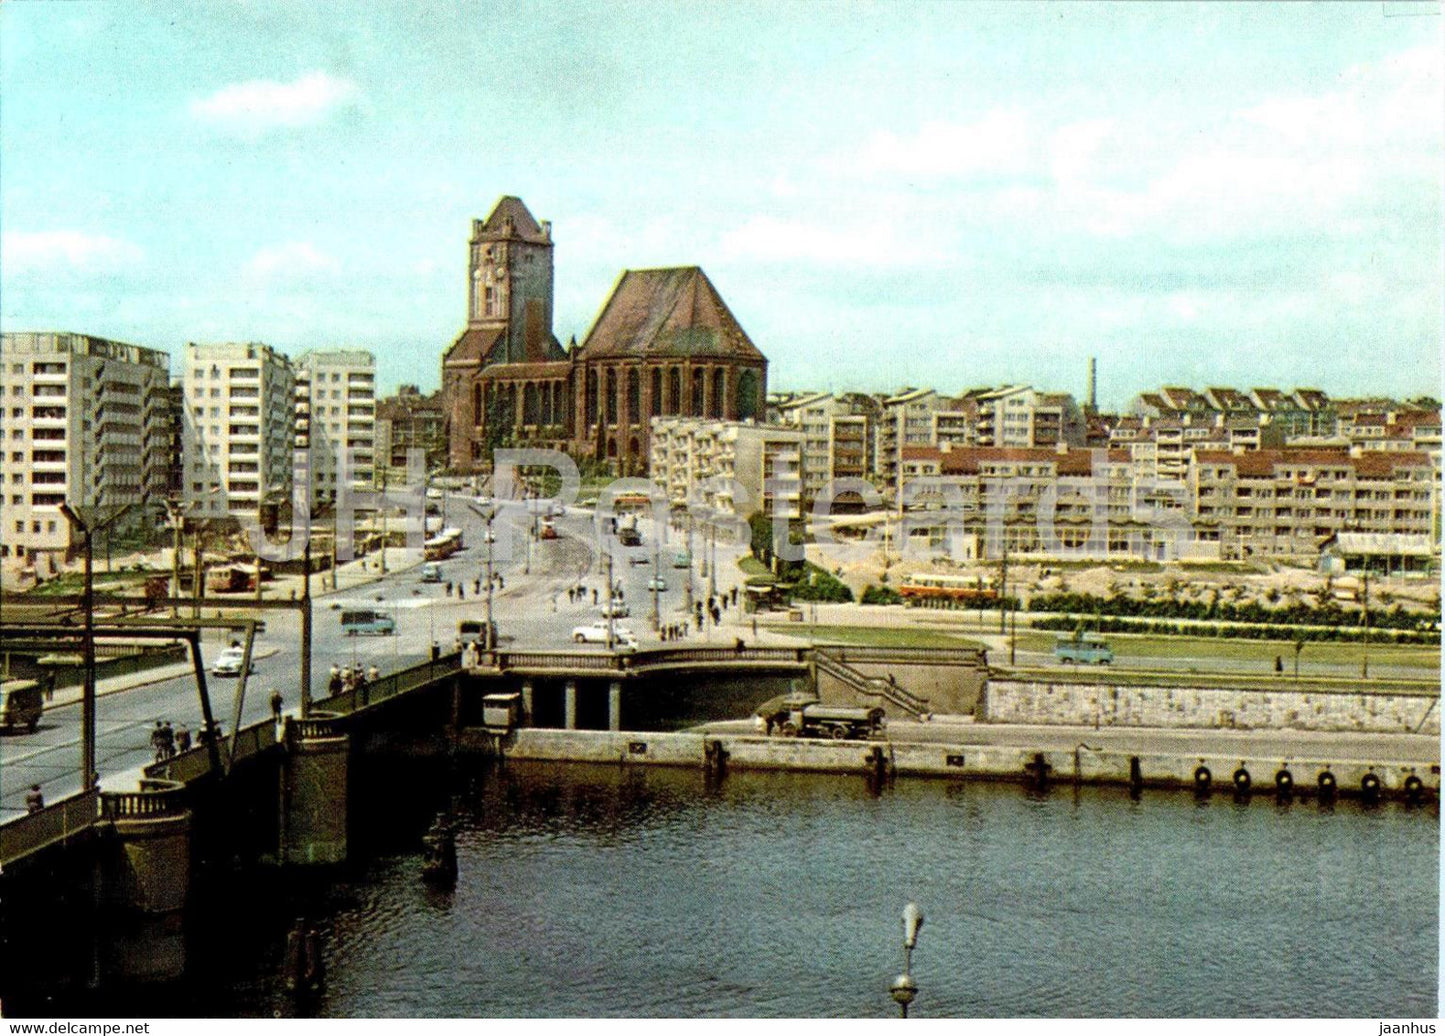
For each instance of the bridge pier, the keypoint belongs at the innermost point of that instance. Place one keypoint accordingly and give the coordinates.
(145, 883)
(614, 705)
(569, 705)
(313, 791)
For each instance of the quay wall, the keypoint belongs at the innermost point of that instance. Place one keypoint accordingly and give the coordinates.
(1261, 708)
(917, 759)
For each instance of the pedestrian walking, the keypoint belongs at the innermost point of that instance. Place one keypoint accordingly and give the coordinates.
(168, 740)
(183, 738)
(158, 742)
(276, 701)
(373, 674)
(336, 684)
(477, 587)
(449, 587)
(34, 801)
(461, 592)
(594, 596)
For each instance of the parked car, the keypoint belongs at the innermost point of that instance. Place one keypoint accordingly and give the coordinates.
(657, 583)
(20, 705)
(596, 633)
(1088, 648)
(615, 610)
(228, 662)
(682, 559)
(549, 531)
(431, 572)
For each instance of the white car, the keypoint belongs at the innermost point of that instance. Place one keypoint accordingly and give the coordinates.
(596, 633)
(657, 583)
(228, 662)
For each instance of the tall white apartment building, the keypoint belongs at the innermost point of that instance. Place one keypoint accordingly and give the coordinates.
(686, 451)
(238, 429)
(84, 422)
(336, 416)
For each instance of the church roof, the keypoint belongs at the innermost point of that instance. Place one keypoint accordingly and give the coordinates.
(513, 211)
(668, 312)
(473, 347)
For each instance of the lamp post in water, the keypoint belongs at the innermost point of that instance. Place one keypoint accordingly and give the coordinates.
(904, 989)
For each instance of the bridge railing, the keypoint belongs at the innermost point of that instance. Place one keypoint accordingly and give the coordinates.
(391, 685)
(57, 822)
(156, 798)
(907, 655)
(642, 661)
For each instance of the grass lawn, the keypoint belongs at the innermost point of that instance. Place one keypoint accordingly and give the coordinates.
(872, 636)
(755, 569)
(74, 583)
(1133, 645)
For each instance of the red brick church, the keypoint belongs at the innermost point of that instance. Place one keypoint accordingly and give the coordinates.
(664, 344)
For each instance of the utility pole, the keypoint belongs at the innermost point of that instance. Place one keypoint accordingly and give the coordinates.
(1003, 583)
(611, 611)
(656, 583)
(198, 576)
(88, 776)
(383, 521)
(1365, 618)
(490, 579)
(689, 603)
(306, 624)
(712, 563)
(177, 517)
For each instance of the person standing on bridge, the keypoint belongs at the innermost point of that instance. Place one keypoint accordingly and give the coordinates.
(183, 739)
(34, 801)
(158, 742)
(276, 702)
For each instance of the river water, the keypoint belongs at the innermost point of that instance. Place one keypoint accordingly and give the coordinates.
(600, 891)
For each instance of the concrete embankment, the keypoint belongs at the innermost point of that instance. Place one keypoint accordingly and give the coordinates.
(1230, 765)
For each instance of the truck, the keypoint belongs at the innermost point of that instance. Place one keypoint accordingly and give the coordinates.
(21, 705)
(628, 536)
(814, 719)
(1083, 647)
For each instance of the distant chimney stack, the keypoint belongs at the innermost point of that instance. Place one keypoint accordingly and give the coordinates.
(1093, 384)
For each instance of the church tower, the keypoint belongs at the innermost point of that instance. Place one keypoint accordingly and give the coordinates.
(510, 282)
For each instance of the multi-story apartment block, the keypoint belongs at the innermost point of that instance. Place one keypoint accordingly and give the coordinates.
(85, 423)
(1020, 416)
(905, 420)
(336, 417)
(980, 502)
(837, 436)
(1268, 503)
(687, 451)
(407, 421)
(238, 429)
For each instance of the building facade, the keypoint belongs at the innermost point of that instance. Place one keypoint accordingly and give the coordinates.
(85, 423)
(238, 429)
(688, 451)
(408, 421)
(336, 417)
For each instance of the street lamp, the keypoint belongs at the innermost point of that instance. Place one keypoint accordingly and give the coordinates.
(488, 516)
(88, 775)
(904, 989)
(177, 514)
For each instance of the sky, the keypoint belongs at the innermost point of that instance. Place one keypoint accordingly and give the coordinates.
(951, 195)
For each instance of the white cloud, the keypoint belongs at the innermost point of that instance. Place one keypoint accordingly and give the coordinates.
(55, 250)
(264, 104)
(292, 259)
(998, 142)
(875, 242)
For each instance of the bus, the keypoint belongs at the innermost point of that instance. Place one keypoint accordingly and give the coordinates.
(926, 590)
(443, 545)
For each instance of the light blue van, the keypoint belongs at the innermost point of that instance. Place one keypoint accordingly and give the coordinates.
(365, 620)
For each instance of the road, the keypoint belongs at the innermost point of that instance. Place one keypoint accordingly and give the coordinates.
(531, 610)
